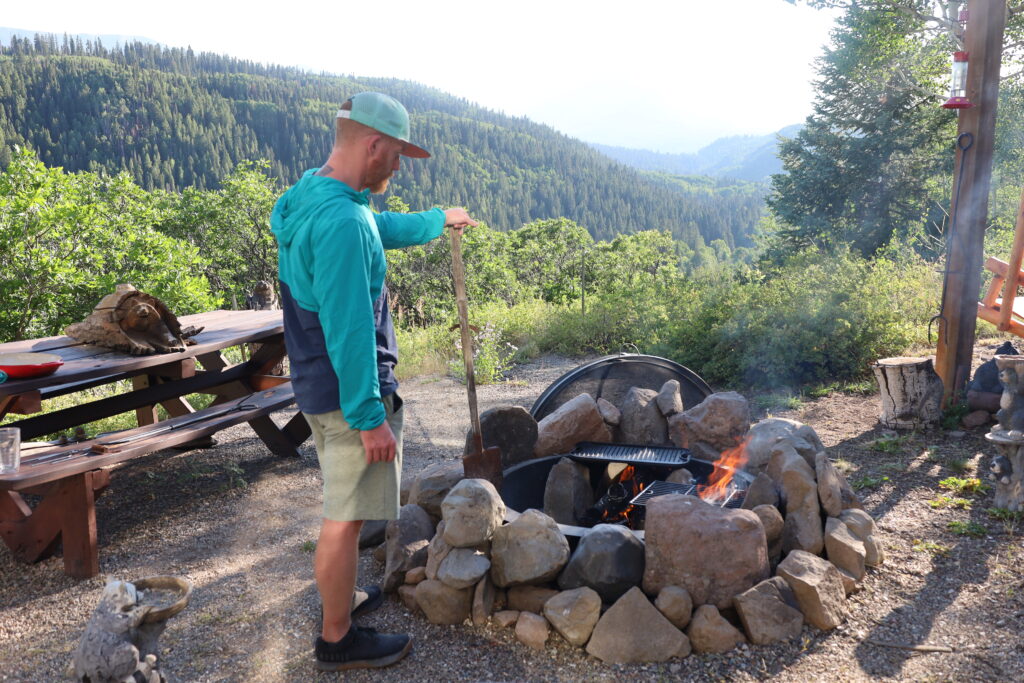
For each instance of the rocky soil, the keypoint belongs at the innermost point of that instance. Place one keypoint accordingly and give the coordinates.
(241, 525)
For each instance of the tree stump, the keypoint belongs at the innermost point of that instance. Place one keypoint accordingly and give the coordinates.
(911, 392)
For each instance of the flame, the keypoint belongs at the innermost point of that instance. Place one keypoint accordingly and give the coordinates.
(732, 459)
(633, 486)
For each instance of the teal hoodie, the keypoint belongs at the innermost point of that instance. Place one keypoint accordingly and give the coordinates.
(331, 265)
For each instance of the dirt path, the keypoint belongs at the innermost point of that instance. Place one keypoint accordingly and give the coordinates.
(240, 524)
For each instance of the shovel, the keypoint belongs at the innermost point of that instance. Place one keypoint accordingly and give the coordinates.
(480, 463)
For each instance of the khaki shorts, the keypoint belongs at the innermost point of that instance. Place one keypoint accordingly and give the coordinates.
(354, 490)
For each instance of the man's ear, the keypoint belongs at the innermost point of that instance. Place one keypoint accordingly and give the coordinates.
(373, 143)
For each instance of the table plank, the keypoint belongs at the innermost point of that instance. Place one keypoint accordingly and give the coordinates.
(33, 472)
(84, 362)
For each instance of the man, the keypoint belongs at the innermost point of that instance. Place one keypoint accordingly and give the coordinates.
(342, 349)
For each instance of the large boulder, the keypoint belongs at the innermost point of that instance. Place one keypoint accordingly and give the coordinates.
(768, 433)
(769, 611)
(774, 525)
(612, 415)
(830, 491)
(532, 630)
(670, 400)
(568, 494)
(406, 544)
(795, 478)
(578, 419)
(443, 604)
(483, 601)
(531, 549)
(529, 598)
(632, 630)
(372, 534)
(511, 429)
(436, 552)
(471, 511)
(843, 549)
(862, 527)
(712, 552)
(675, 603)
(609, 559)
(574, 613)
(433, 484)
(710, 632)
(717, 423)
(818, 588)
(762, 491)
(642, 421)
(463, 568)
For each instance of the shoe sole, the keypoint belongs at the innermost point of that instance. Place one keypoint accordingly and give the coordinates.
(366, 663)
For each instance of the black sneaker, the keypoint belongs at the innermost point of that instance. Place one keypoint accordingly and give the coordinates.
(361, 648)
(364, 601)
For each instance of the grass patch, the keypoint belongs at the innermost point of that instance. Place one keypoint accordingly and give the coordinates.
(308, 546)
(895, 466)
(889, 444)
(952, 415)
(962, 465)
(865, 387)
(943, 502)
(868, 482)
(769, 402)
(931, 454)
(844, 465)
(963, 487)
(931, 547)
(972, 529)
(1004, 515)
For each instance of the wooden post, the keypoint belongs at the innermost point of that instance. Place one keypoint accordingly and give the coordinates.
(968, 212)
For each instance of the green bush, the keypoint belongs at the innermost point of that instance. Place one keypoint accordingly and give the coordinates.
(816, 319)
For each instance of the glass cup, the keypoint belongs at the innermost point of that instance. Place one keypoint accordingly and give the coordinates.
(10, 449)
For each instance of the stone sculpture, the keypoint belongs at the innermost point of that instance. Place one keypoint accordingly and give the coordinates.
(135, 322)
(1007, 469)
(120, 641)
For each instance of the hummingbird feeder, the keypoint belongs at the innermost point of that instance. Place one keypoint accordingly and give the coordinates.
(958, 90)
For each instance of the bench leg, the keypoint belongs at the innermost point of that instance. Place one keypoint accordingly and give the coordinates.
(298, 429)
(277, 440)
(67, 512)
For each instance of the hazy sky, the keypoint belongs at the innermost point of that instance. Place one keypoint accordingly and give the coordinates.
(671, 75)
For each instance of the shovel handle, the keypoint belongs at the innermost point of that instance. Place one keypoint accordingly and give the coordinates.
(459, 278)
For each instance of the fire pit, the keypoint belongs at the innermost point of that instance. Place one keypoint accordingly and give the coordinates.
(524, 484)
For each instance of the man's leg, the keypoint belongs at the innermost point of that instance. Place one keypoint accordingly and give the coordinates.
(335, 566)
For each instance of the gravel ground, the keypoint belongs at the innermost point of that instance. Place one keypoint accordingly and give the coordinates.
(240, 523)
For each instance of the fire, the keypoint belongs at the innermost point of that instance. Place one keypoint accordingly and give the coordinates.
(732, 459)
(626, 486)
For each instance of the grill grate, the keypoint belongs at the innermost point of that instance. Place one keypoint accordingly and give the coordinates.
(644, 455)
(662, 488)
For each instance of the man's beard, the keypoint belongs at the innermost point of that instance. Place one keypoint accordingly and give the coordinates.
(380, 186)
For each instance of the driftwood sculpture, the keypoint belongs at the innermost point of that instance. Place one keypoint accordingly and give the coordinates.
(120, 641)
(135, 322)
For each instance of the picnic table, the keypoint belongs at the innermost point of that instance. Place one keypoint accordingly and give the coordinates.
(68, 477)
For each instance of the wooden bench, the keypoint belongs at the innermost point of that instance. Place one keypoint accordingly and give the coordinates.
(999, 305)
(68, 477)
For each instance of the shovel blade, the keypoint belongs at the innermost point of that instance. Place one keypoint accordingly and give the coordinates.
(484, 465)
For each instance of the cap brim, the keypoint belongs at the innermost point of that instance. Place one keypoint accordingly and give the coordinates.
(411, 150)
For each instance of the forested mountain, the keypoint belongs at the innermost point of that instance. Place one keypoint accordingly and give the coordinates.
(177, 119)
(743, 157)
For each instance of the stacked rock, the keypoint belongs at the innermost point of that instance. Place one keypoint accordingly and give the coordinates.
(705, 578)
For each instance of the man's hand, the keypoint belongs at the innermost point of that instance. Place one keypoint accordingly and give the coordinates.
(458, 218)
(379, 443)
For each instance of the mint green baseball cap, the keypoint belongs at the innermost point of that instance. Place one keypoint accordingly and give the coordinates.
(385, 114)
